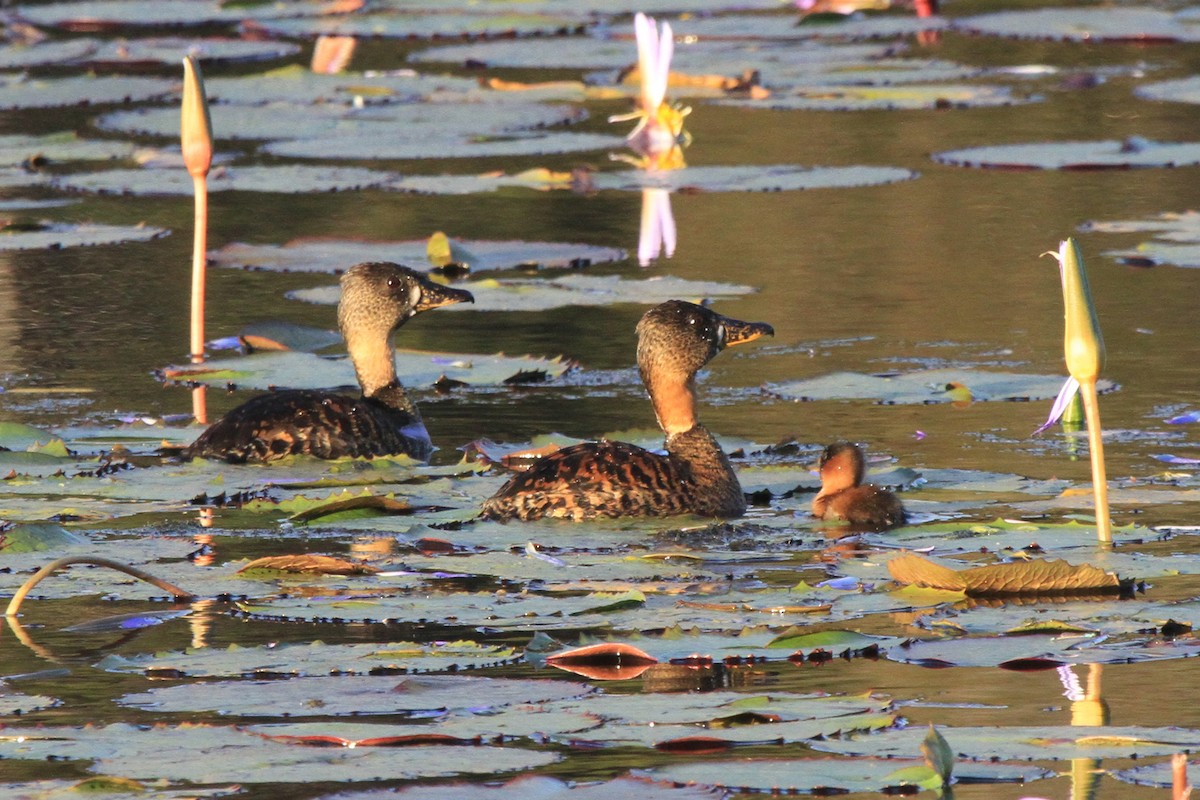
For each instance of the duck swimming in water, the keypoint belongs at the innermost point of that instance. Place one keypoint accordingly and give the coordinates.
(377, 298)
(844, 496)
(615, 479)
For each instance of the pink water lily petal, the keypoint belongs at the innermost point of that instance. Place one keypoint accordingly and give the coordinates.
(1065, 396)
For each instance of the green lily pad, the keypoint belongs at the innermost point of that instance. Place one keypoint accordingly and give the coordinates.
(906, 96)
(353, 695)
(332, 255)
(924, 387)
(1127, 24)
(1180, 90)
(109, 788)
(106, 14)
(15, 703)
(300, 86)
(1176, 239)
(24, 55)
(292, 179)
(17, 150)
(766, 178)
(808, 775)
(296, 370)
(428, 24)
(317, 659)
(567, 290)
(542, 787)
(1110, 154)
(169, 50)
(1021, 743)
(211, 754)
(450, 145)
(46, 235)
(25, 92)
(407, 124)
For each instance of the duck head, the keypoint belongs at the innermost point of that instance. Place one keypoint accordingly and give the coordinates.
(842, 466)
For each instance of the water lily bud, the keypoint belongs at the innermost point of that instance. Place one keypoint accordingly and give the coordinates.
(1082, 344)
(195, 124)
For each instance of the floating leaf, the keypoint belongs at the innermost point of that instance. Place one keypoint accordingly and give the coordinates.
(307, 371)
(210, 754)
(427, 24)
(353, 695)
(292, 179)
(567, 290)
(451, 145)
(1094, 155)
(908, 96)
(308, 563)
(55, 235)
(316, 659)
(1018, 577)
(924, 387)
(167, 51)
(25, 92)
(608, 661)
(333, 255)
(1129, 24)
(542, 787)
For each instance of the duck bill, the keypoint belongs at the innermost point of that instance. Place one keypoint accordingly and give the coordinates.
(738, 332)
(434, 295)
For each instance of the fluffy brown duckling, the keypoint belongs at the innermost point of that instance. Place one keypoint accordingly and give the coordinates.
(614, 479)
(844, 496)
(377, 298)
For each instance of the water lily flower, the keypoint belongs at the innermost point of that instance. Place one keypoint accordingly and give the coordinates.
(657, 233)
(1083, 348)
(659, 137)
(196, 138)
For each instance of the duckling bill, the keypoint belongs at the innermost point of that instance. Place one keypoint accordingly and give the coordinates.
(615, 479)
(377, 299)
(844, 496)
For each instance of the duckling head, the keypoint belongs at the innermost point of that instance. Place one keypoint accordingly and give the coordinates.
(842, 466)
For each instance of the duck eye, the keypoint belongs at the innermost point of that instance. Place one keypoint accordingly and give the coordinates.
(393, 281)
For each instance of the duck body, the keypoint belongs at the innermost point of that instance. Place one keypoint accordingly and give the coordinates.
(312, 422)
(616, 479)
(845, 497)
(377, 298)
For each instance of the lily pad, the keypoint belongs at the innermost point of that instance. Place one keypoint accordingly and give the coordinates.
(1032, 743)
(211, 754)
(1095, 155)
(300, 86)
(332, 255)
(567, 290)
(48, 51)
(296, 370)
(292, 179)
(766, 178)
(924, 387)
(25, 92)
(354, 695)
(45, 235)
(18, 150)
(169, 50)
(540, 787)
(406, 124)
(105, 14)
(1084, 24)
(1176, 239)
(451, 145)
(428, 24)
(823, 775)
(862, 98)
(317, 659)
(1180, 90)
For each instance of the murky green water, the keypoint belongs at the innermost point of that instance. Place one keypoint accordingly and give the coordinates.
(940, 270)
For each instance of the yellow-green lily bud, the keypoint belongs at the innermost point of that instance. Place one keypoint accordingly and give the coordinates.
(1082, 342)
(195, 124)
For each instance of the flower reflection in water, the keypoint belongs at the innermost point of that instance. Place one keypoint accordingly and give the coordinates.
(657, 234)
(658, 139)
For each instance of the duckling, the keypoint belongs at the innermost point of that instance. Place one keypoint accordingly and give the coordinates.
(616, 479)
(377, 298)
(844, 496)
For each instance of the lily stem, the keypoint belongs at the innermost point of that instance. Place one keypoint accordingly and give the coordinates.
(1091, 410)
(14, 605)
